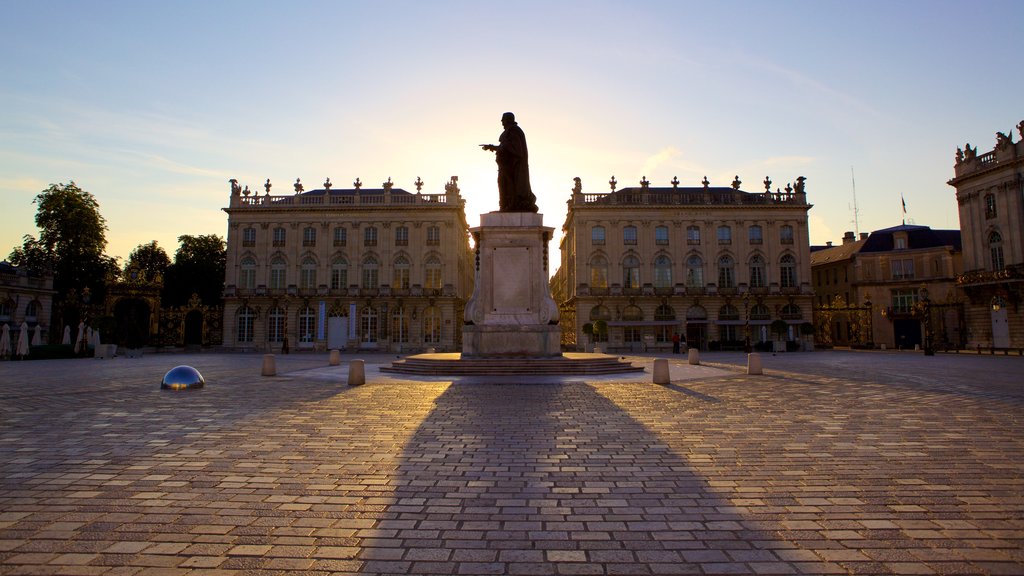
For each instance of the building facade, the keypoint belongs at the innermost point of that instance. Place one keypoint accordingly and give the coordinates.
(715, 264)
(371, 269)
(25, 298)
(895, 287)
(990, 195)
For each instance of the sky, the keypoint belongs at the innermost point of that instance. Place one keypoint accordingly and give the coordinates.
(153, 106)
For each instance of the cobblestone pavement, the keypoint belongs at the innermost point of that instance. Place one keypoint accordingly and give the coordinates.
(830, 463)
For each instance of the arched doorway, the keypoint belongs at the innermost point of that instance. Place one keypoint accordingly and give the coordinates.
(194, 328)
(132, 317)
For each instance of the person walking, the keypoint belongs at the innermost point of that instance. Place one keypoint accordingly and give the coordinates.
(675, 342)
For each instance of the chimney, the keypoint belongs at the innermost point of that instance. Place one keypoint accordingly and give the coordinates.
(863, 235)
(849, 237)
(828, 243)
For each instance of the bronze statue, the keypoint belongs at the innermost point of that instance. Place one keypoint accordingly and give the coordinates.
(514, 192)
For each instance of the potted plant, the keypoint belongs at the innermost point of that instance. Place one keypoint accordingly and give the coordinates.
(601, 330)
(780, 328)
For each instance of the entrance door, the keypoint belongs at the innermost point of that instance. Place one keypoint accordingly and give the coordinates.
(907, 333)
(1000, 328)
(337, 332)
(194, 328)
(696, 335)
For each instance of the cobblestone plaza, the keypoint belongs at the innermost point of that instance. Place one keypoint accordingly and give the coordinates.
(829, 463)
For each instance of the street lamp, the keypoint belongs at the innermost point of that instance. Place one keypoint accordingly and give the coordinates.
(927, 319)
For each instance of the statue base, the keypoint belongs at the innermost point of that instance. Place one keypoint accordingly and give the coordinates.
(511, 312)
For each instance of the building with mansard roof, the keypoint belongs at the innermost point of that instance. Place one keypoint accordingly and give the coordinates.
(372, 269)
(990, 195)
(716, 264)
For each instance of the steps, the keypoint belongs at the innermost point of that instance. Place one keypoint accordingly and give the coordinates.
(452, 364)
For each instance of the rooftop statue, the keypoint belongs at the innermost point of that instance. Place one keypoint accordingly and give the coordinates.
(514, 192)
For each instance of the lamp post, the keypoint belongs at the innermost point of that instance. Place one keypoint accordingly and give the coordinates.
(746, 324)
(926, 307)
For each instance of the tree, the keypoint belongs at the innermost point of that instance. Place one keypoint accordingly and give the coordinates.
(198, 269)
(150, 259)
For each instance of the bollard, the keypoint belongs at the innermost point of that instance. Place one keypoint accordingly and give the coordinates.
(356, 373)
(883, 347)
(335, 357)
(693, 356)
(269, 365)
(661, 371)
(754, 363)
(597, 349)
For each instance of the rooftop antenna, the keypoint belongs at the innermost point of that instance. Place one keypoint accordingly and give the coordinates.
(856, 211)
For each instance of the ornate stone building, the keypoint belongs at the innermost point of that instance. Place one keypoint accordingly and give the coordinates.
(25, 297)
(990, 194)
(717, 264)
(378, 269)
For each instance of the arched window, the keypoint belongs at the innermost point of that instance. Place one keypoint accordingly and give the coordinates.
(787, 271)
(247, 277)
(728, 312)
(432, 325)
(275, 324)
(633, 313)
(662, 272)
(246, 319)
(995, 247)
(600, 312)
(760, 312)
(368, 324)
(32, 312)
(726, 272)
(400, 277)
(339, 273)
(307, 273)
(694, 272)
(696, 313)
(631, 272)
(399, 325)
(371, 278)
(664, 313)
(432, 273)
(307, 325)
(791, 312)
(598, 272)
(278, 273)
(757, 272)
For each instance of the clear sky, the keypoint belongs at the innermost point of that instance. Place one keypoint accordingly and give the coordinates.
(153, 106)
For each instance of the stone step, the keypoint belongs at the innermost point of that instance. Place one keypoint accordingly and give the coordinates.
(454, 365)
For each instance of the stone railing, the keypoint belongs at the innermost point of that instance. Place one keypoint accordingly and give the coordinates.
(361, 199)
(718, 197)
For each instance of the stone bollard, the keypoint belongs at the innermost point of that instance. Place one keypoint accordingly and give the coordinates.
(661, 371)
(693, 356)
(883, 347)
(269, 365)
(356, 373)
(335, 357)
(754, 363)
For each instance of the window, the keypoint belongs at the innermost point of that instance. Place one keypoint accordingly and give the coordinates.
(755, 235)
(630, 272)
(307, 325)
(724, 235)
(597, 235)
(757, 274)
(728, 333)
(307, 273)
(371, 279)
(726, 273)
(990, 206)
(246, 319)
(760, 312)
(279, 237)
(600, 312)
(32, 311)
(728, 312)
(695, 272)
(632, 314)
(663, 332)
(340, 236)
(903, 300)
(995, 247)
(370, 236)
(248, 237)
(432, 273)
(787, 271)
(629, 235)
(402, 236)
(399, 325)
(6, 309)
(278, 273)
(693, 235)
(247, 277)
(309, 236)
(661, 235)
(339, 274)
(662, 272)
(275, 324)
(368, 323)
(791, 312)
(432, 325)
(786, 234)
(433, 235)
(903, 269)
(598, 272)
(400, 280)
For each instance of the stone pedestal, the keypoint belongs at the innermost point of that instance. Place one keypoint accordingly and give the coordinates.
(511, 312)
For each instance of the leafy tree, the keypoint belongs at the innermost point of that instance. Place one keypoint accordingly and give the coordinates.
(150, 259)
(198, 268)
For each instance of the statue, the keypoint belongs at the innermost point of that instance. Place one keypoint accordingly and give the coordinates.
(1020, 129)
(1003, 140)
(514, 192)
(736, 182)
(800, 184)
(267, 186)
(959, 155)
(578, 185)
(235, 188)
(298, 186)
